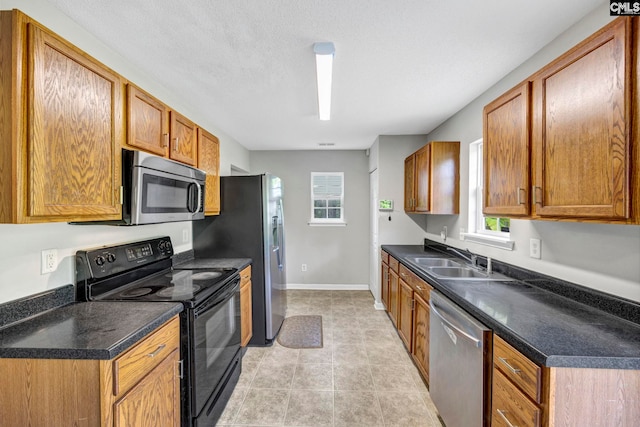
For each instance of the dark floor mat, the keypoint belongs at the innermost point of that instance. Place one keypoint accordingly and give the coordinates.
(301, 332)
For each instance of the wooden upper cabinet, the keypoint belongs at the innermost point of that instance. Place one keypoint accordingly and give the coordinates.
(581, 129)
(147, 122)
(183, 139)
(432, 179)
(409, 183)
(422, 179)
(209, 162)
(506, 153)
(63, 117)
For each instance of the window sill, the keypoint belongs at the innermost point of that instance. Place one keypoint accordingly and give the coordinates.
(327, 223)
(483, 239)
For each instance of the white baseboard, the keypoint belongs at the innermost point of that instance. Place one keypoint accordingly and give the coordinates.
(378, 306)
(328, 287)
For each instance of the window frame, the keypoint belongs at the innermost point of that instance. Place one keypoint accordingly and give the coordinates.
(327, 221)
(477, 232)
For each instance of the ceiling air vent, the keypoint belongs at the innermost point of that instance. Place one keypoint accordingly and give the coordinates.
(326, 144)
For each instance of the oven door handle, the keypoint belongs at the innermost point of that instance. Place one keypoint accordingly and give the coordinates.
(217, 300)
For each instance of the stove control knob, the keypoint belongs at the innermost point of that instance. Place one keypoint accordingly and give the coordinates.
(111, 257)
(100, 260)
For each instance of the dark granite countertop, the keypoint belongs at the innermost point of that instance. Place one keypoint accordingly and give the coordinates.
(85, 330)
(549, 328)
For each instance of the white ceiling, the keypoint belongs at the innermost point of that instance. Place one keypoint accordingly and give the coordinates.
(401, 67)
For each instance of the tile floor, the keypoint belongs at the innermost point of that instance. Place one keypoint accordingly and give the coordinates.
(361, 377)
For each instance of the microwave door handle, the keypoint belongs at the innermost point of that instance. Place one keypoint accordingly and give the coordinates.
(199, 197)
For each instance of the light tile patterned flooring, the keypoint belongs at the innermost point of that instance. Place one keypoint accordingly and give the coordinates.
(361, 377)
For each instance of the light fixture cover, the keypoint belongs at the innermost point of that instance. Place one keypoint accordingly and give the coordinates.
(325, 52)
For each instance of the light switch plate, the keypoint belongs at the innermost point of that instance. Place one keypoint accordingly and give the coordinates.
(535, 248)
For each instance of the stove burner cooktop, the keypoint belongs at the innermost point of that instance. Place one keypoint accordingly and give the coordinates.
(173, 285)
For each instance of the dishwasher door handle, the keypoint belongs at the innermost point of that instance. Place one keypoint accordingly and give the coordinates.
(477, 342)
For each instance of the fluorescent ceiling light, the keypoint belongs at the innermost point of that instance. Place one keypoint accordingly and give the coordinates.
(324, 63)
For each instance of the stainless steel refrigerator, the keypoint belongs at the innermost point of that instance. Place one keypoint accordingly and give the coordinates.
(251, 225)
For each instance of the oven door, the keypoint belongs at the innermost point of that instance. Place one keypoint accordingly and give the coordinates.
(158, 196)
(215, 340)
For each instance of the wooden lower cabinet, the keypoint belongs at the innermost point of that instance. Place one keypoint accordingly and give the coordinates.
(394, 284)
(408, 307)
(420, 351)
(246, 311)
(405, 313)
(384, 285)
(141, 387)
(527, 395)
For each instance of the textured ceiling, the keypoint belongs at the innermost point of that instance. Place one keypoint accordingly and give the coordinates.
(401, 67)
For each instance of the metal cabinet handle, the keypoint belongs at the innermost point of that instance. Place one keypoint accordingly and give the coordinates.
(535, 197)
(165, 141)
(504, 417)
(511, 368)
(419, 288)
(177, 145)
(404, 275)
(158, 350)
(520, 200)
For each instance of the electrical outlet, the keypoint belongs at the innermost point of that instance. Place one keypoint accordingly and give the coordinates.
(535, 248)
(49, 261)
(443, 233)
(304, 267)
(185, 235)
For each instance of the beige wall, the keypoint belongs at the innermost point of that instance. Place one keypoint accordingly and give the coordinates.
(333, 255)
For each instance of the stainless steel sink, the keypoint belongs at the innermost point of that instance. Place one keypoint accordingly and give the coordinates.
(433, 262)
(463, 273)
(457, 272)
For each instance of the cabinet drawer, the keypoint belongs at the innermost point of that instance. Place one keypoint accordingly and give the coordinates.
(245, 275)
(510, 406)
(419, 286)
(133, 365)
(518, 368)
(384, 256)
(393, 263)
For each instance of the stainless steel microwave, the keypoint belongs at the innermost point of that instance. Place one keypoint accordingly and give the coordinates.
(160, 190)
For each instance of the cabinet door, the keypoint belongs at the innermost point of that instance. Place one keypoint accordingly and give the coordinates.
(155, 400)
(421, 335)
(423, 179)
(183, 144)
(74, 133)
(209, 162)
(581, 131)
(147, 124)
(393, 296)
(384, 288)
(506, 154)
(246, 313)
(409, 183)
(405, 313)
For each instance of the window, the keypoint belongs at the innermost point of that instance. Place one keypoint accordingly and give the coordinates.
(327, 198)
(488, 230)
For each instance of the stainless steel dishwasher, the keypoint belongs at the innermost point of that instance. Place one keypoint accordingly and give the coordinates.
(460, 350)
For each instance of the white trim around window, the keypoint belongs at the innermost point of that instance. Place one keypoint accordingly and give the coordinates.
(327, 199)
(477, 232)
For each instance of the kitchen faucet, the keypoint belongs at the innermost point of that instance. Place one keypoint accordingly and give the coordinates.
(473, 259)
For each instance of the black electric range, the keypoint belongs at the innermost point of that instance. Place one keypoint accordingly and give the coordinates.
(209, 325)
